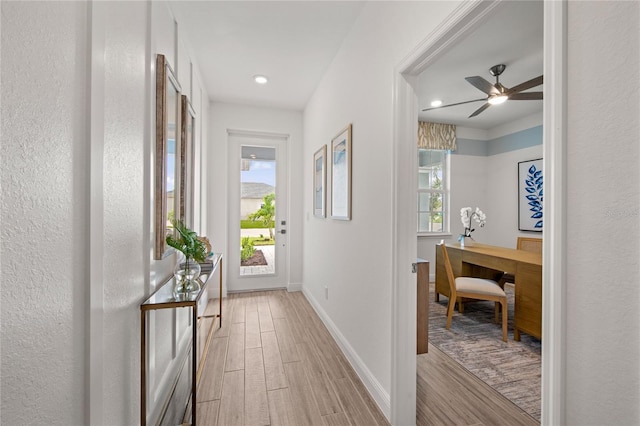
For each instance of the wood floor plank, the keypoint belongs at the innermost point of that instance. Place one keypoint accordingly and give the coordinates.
(210, 385)
(264, 314)
(238, 310)
(256, 406)
(354, 407)
(231, 411)
(207, 412)
(336, 419)
(281, 408)
(276, 300)
(449, 394)
(329, 359)
(227, 311)
(320, 383)
(286, 343)
(361, 389)
(252, 328)
(304, 405)
(235, 353)
(299, 323)
(273, 368)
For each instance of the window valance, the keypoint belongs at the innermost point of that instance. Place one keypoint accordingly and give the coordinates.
(436, 136)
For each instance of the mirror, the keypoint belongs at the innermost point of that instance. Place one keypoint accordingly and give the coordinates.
(187, 161)
(167, 151)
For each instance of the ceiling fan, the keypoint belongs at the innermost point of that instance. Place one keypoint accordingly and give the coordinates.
(497, 93)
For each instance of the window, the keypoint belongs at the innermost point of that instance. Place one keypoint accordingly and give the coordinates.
(433, 191)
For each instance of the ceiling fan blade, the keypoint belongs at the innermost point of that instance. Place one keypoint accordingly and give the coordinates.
(450, 105)
(479, 110)
(528, 96)
(526, 85)
(483, 85)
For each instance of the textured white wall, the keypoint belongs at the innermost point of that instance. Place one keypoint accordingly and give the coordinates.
(603, 186)
(238, 117)
(62, 361)
(123, 230)
(353, 259)
(44, 212)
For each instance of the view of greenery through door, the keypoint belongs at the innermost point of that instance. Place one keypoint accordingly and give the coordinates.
(257, 210)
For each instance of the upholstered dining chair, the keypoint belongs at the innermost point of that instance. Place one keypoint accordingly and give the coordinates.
(527, 244)
(474, 288)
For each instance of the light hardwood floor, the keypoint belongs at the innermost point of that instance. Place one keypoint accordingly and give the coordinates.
(274, 363)
(448, 394)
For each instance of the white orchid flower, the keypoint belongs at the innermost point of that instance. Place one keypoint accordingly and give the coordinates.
(467, 215)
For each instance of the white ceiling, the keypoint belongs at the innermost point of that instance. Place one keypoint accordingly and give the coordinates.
(291, 42)
(294, 42)
(512, 35)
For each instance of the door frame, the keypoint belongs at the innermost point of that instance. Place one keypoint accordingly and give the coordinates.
(280, 278)
(466, 17)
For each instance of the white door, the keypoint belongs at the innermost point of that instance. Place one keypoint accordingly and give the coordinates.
(257, 211)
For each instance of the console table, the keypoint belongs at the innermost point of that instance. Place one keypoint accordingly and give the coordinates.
(163, 299)
(485, 261)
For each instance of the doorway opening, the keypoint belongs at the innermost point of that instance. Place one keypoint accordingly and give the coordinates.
(403, 397)
(257, 211)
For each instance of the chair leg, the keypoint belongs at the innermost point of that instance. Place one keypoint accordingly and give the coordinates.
(450, 306)
(503, 303)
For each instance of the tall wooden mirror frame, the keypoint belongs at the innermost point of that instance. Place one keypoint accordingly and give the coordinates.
(187, 161)
(166, 164)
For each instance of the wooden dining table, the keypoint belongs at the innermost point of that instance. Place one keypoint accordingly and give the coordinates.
(486, 261)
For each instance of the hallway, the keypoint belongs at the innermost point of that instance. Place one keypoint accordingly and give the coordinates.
(274, 363)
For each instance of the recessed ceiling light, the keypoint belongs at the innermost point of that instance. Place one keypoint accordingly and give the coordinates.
(260, 79)
(436, 103)
(252, 156)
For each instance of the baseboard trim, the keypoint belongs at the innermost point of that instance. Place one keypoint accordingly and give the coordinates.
(380, 396)
(294, 287)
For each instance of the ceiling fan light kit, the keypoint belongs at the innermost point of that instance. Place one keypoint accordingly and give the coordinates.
(497, 93)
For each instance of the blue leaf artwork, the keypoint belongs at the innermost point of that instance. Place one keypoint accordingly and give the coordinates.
(531, 195)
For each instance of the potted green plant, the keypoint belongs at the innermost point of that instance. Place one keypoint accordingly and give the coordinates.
(187, 270)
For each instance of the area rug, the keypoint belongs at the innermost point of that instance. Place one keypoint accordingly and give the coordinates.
(256, 260)
(475, 342)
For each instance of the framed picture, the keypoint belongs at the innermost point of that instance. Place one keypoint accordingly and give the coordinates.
(187, 161)
(319, 182)
(167, 154)
(341, 175)
(530, 195)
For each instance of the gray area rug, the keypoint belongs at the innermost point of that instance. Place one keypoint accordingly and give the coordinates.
(475, 341)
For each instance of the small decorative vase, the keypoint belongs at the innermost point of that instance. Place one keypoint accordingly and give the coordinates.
(186, 273)
(465, 241)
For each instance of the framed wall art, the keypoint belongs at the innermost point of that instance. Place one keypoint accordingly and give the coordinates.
(167, 154)
(187, 161)
(341, 175)
(530, 195)
(320, 182)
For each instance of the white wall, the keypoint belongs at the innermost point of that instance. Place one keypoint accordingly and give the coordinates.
(603, 203)
(501, 202)
(43, 212)
(353, 259)
(239, 117)
(78, 118)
